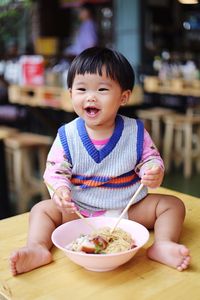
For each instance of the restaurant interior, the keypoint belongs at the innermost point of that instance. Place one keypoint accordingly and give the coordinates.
(162, 42)
(41, 258)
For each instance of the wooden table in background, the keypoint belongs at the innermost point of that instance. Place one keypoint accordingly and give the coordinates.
(139, 279)
(175, 92)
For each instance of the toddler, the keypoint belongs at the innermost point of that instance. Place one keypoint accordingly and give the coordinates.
(98, 161)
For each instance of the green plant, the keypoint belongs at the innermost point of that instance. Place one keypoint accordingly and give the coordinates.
(11, 20)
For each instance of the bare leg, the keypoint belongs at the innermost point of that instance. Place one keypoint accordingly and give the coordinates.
(166, 215)
(44, 218)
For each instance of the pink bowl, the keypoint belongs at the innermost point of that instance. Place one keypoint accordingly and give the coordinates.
(66, 233)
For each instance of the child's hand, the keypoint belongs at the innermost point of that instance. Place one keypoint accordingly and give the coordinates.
(153, 177)
(62, 199)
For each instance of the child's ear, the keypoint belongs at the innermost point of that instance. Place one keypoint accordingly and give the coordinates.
(125, 97)
(70, 92)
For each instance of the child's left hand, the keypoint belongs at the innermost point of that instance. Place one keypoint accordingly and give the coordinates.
(153, 177)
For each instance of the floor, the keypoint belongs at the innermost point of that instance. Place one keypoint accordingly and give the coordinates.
(176, 181)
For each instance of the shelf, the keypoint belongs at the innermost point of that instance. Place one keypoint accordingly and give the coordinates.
(55, 97)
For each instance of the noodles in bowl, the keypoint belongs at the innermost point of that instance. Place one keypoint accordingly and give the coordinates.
(102, 241)
(67, 234)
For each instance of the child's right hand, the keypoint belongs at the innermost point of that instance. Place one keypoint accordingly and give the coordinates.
(62, 199)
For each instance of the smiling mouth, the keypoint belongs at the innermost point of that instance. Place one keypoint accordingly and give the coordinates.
(92, 111)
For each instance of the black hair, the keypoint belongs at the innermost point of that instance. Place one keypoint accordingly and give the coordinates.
(92, 60)
(88, 6)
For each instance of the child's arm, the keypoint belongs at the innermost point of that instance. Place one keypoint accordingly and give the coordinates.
(151, 168)
(58, 174)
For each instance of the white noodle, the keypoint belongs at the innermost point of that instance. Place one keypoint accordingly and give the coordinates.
(118, 241)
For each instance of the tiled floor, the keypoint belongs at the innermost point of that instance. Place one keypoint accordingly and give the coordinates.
(176, 181)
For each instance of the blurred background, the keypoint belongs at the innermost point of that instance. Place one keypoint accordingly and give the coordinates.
(39, 39)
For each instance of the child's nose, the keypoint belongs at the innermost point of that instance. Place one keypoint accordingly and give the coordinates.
(91, 98)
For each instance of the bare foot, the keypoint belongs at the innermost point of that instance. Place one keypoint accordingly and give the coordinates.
(170, 254)
(29, 258)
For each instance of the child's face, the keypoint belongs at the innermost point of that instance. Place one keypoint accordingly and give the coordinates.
(97, 99)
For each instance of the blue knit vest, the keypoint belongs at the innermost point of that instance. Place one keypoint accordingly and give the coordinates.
(105, 178)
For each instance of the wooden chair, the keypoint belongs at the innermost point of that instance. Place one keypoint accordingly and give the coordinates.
(182, 142)
(26, 159)
(152, 118)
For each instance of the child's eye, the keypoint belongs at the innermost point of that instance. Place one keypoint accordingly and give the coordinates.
(103, 89)
(81, 89)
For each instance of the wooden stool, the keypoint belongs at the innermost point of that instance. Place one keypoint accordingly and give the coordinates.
(152, 118)
(26, 155)
(4, 197)
(7, 131)
(182, 142)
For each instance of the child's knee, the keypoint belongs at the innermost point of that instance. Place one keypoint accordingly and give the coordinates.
(46, 209)
(42, 206)
(180, 205)
(176, 204)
